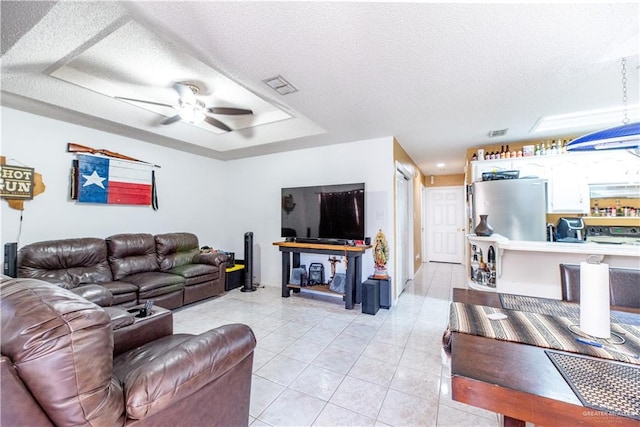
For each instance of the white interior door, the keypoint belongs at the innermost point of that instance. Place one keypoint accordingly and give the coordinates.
(402, 230)
(445, 218)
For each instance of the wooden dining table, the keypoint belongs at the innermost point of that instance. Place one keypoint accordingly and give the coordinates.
(517, 380)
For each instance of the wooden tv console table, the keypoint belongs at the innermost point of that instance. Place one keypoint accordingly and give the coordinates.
(354, 265)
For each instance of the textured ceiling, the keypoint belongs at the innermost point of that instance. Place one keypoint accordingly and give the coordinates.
(437, 76)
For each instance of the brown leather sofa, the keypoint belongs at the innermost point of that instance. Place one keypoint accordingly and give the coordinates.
(57, 367)
(128, 269)
(204, 274)
(133, 259)
(79, 265)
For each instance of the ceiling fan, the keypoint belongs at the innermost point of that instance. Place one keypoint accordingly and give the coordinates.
(192, 109)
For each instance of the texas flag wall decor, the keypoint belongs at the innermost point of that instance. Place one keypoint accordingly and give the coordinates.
(113, 181)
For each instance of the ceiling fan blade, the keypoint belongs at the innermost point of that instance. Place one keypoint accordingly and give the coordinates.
(143, 101)
(171, 119)
(217, 123)
(185, 92)
(229, 111)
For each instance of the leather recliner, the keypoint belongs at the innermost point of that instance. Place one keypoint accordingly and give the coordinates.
(57, 367)
(204, 274)
(133, 259)
(80, 265)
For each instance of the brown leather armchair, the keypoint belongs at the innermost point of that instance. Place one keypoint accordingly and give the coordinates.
(78, 264)
(57, 367)
(204, 274)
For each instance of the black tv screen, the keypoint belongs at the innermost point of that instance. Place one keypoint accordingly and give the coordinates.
(323, 212)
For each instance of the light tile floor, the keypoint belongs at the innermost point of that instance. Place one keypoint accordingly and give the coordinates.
(317, 364)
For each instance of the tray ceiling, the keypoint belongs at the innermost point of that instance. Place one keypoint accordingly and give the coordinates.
(437, 76)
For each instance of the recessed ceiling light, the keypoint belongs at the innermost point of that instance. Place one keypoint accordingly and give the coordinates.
(280, 85)
(440, 165)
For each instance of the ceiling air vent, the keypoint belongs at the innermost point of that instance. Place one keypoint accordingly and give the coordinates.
(499, 132)
(280, 85)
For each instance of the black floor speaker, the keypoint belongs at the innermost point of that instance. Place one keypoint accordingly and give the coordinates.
(11, 259)
(370, 297)
(248, 263)
(385, 292)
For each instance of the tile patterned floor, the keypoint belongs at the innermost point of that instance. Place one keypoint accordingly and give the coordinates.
(317, 364)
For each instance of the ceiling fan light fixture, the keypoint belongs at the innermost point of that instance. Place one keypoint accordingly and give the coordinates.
(191, 112)
(280, 85)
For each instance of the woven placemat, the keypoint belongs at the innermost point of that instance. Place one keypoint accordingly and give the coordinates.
(606, 386)
(548, 306)
(542, 330)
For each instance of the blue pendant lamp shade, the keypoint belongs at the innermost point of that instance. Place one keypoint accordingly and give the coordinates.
(625, 136)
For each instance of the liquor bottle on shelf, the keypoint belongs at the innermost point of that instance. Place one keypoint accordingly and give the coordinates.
(491, 266)
(474, 264)
(554, 148)
(507, 153)
(502, 152)
(538, 153)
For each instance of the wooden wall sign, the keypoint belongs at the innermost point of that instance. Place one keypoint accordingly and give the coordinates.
(16, 182)
(19, 183)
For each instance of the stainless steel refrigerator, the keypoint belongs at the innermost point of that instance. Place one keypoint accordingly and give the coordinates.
(516, 208)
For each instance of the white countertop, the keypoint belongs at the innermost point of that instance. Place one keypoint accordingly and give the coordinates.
(589, 248)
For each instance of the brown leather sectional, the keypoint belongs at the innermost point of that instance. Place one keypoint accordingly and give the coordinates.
(128, 269)
(58, 367)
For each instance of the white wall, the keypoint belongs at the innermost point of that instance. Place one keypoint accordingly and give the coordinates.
(188, 186)
(257, 205)
(218, 201)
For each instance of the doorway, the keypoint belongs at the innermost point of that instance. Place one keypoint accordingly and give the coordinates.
(403, 241)
(444, 219)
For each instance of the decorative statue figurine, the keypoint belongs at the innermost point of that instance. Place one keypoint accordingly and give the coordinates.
(380, 256)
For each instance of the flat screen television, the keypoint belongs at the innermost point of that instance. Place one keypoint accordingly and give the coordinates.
(324, 212)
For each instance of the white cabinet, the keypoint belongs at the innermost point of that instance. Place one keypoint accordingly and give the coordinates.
(533, 167)
(569, 175)
(480, 166)
(567, 189)
(613, 167)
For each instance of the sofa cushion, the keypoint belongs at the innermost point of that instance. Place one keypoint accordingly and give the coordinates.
(49, 332)
(156, 280)
(131, 253)
(67, 263)
(176, 249)
(95, 293)
(174, 367)
(193, 270)
(120, 287)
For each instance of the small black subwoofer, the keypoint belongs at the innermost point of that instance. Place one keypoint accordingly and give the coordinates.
(370, 296)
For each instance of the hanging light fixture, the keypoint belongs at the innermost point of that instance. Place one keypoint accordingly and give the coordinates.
(625, 136)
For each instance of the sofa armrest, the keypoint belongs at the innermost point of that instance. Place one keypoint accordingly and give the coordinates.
(120, 317)
(213, 258)
(142, 330)
(95, 293)
(170, 369)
